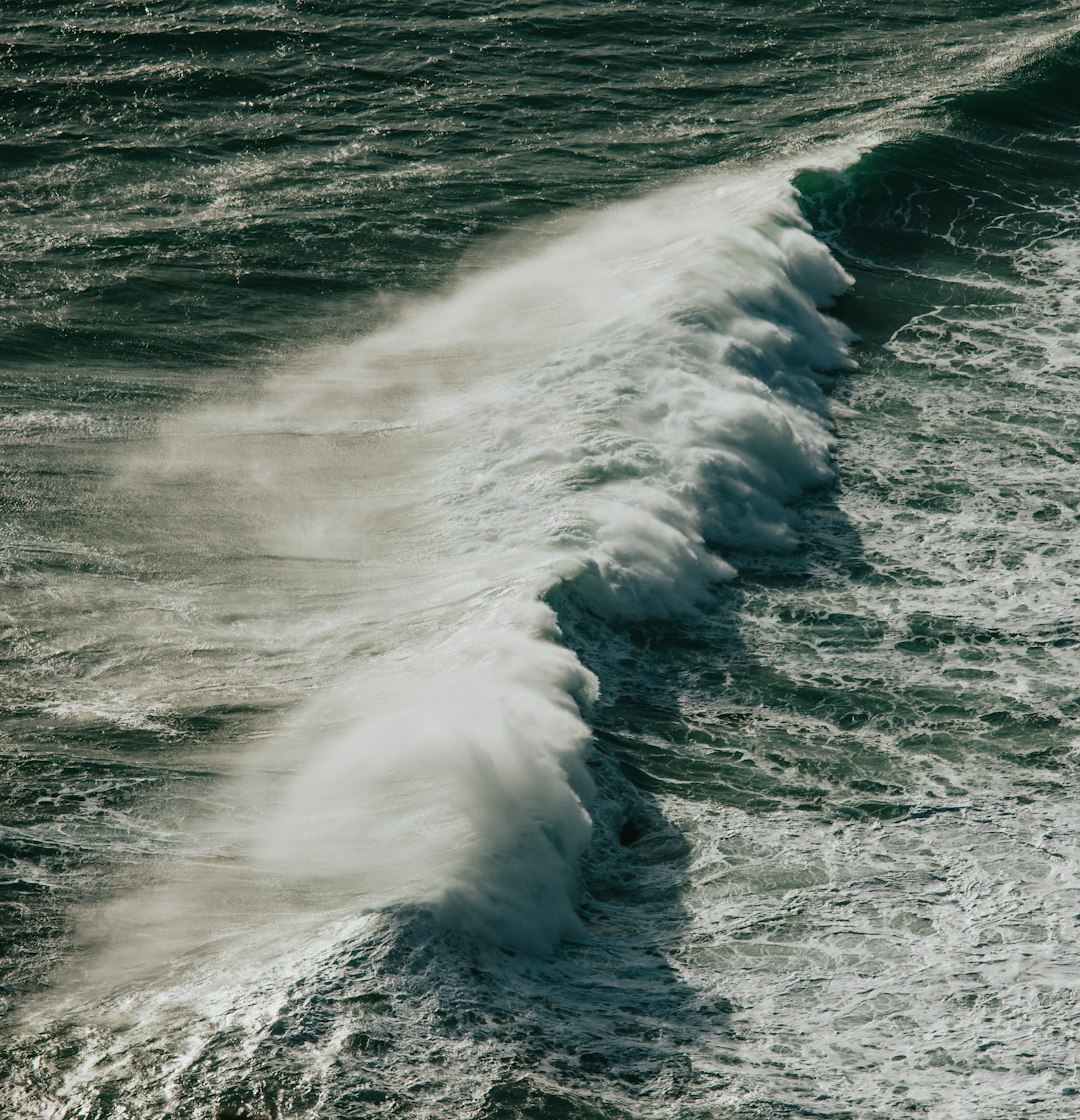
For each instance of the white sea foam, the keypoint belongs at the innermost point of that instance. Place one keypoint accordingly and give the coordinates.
(609, 410)
(607, 415)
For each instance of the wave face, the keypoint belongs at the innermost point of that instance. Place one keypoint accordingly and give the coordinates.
(477, 646)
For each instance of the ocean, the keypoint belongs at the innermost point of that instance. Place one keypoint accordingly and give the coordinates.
(541, 567)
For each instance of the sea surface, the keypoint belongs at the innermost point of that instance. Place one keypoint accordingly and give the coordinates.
(541, 560)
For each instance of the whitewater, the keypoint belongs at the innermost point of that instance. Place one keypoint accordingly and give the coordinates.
(599, 418)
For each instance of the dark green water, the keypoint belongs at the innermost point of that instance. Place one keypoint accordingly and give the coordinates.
(539, 555)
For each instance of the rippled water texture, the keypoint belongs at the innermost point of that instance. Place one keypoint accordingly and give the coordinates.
(539, 556)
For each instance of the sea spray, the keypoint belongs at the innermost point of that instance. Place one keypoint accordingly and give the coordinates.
(603, 418)
(609, 412)
(453, 775)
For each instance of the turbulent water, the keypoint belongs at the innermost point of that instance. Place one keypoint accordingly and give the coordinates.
(541, 573)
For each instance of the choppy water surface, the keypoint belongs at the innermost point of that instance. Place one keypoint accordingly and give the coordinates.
(540, 567)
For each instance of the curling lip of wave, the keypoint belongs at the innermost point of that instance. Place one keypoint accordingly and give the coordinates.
(607, 415)
(605, 418)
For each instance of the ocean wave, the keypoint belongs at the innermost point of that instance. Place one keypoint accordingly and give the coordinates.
(599, 420)
(608, 416)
